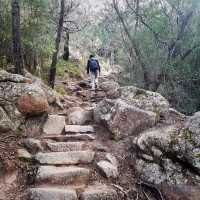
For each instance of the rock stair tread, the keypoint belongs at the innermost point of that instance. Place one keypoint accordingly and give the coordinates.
(65, 158)
(52, 193)
(99, 192)
(79, 129)
(66, 146)
(70, 137)
(62, 175)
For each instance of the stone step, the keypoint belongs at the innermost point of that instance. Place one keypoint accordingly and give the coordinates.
(52, 194)
(99, 192)
(55, 124)
(65, 146)
(62, 175)
(65, 158)
(70, 137)
(78, 129)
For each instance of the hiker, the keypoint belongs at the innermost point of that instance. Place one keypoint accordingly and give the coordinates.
(93, 68)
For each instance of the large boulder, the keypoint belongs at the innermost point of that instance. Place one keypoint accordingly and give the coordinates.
(33, 101)
(109, 85)
(15, 78)
(123, 119)
(130, 110)
(11, 88)
(167, 154)
(146, 100)
(111, 88)
(50, 94)
(19, 96)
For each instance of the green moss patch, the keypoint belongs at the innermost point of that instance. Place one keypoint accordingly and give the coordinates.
(187, 135)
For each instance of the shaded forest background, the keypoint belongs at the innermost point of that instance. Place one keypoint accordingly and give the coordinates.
(157, 42)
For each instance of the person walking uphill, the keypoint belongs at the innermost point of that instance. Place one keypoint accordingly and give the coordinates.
(94, 69)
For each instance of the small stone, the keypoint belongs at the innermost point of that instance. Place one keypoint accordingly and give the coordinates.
(108, 169)
(112, 159)
(55, 124)
(24, 155)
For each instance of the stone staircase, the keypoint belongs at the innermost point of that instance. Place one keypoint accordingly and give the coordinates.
(66, 165)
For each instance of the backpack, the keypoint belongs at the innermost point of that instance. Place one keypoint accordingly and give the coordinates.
(93, 65)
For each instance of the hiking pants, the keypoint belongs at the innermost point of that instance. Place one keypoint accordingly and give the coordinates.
(94, 79)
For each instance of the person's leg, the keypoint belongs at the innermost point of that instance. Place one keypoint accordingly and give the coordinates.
(96, 79)
(92, 76)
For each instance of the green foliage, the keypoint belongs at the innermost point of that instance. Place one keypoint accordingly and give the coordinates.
(175, 77)
(60, 90)
(68, 68)
(187, 135)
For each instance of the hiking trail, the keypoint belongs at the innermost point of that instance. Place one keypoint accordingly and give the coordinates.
(69, 167)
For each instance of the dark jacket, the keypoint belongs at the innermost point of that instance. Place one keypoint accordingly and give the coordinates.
(88, 65)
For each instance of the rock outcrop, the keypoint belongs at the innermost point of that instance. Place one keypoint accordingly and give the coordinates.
(129, 110)
(123, 119)
(165, 144)
(32, 101)
(169, 154)
(20, 97)
(164, 148)
(145, 100)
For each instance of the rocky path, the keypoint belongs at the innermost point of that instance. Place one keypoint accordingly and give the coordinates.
(67, 158)
(68, 152)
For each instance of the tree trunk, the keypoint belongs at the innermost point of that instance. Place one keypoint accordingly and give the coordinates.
(112, 57)
(17, 49)
(135, 50)
(66, 47)
(52, 74)
(137, 2)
